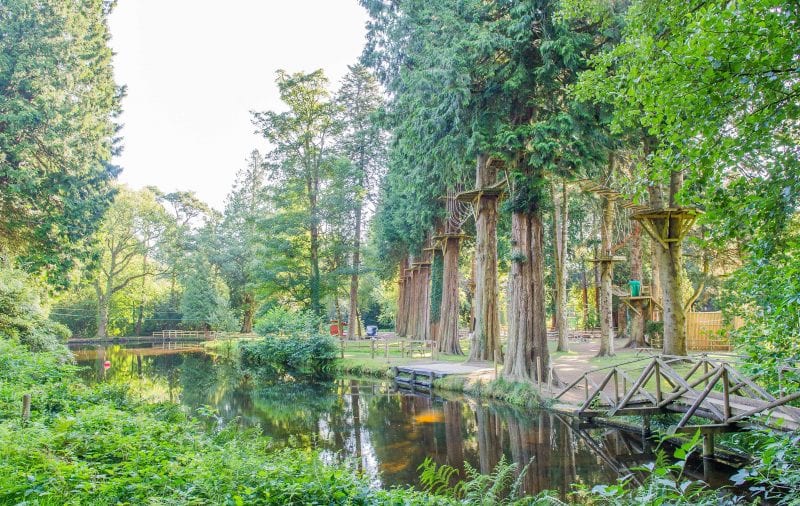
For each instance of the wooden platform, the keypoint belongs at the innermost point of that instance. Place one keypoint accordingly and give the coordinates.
(422, 375)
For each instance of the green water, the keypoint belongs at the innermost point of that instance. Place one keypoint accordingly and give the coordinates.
(383, 432)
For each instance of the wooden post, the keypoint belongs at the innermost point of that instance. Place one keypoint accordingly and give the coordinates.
(386, 349)
(708, 445)
(616, 386)
(726, 399)
(402, 348)
(658, 382)
(586, 386)
(26, 408)
(341, 345)
(372, 348)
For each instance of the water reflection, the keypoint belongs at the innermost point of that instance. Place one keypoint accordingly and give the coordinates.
(384, 433)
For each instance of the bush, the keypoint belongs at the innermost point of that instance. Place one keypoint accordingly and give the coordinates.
(22, 317)
(296, 355)
(281, 321)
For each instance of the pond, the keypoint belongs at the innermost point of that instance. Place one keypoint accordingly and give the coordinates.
(384, 432)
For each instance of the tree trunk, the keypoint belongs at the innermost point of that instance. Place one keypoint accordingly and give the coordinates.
(606, 265)
(102, 311)
(448, 342)
(585, 299)
(400, 318)
(486, 335)
(560, 224)
(424, 299)
(637, 320)
(656, 202)
(351, 329)
(527, 326)
(437, 281)
(249, 303)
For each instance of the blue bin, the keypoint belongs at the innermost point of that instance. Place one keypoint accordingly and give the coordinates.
(372, 330)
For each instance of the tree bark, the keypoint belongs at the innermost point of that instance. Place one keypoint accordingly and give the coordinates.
(486, 335)
(249, 303)
(560, 224)
(401, 316)
(351, 329)
(424, 315)
(637, 319)
(675, 317)
(437, 293)
(606, 277)
(448, 329)
(527, 326)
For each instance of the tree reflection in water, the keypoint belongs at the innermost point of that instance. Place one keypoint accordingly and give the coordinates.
(384, 433)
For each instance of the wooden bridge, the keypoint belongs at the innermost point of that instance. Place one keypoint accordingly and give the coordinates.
(713, 390)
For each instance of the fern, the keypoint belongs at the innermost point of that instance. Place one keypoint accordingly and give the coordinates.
(436, 479)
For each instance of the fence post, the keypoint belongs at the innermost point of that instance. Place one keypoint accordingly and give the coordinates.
(372, 347)
(341, 347)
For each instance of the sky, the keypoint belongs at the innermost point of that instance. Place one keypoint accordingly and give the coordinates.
(194, 69)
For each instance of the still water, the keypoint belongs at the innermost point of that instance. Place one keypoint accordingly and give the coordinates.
(385, 433)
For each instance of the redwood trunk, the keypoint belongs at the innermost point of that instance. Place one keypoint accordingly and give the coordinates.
(448, 327)
(560, 224)
(527, 326)
(486, 335)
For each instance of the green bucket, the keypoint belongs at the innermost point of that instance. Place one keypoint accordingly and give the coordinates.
(636, 287)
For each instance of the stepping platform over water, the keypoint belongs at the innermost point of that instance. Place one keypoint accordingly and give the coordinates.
(422, 375)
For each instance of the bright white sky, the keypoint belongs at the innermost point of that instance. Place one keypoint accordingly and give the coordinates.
(196, 68)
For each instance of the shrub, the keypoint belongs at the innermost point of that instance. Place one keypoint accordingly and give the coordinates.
(281, 321)
(314, 355)
(22, 317)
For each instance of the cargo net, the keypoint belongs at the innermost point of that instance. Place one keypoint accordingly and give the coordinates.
(458, 212)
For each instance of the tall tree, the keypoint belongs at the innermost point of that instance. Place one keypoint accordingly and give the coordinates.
(301, 142)
(362, 143)
(239, 238)
(58, 101)
(121, 248)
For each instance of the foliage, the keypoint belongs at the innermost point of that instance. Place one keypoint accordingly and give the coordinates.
(58, 102)
(237, 241)
(775, 473)
(300, 158)
(502, 486)
(22, 317)
(280, 320)
(313, 354)
(204, 304)
(99, 446)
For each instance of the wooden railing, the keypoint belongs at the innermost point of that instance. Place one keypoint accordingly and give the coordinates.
(388, 348)
(187, 334)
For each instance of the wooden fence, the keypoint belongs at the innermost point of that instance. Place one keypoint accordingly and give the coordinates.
(186, 334)
(708, 331)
